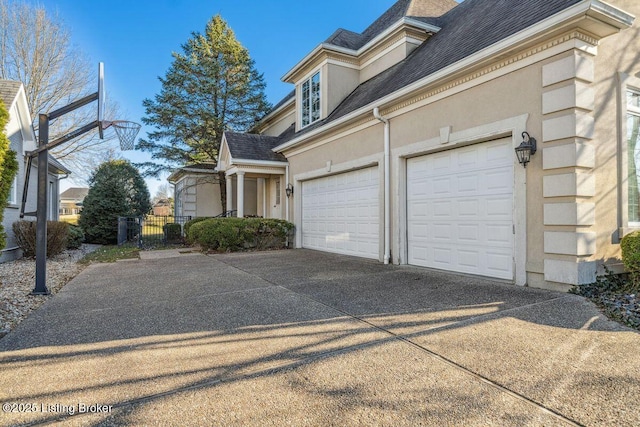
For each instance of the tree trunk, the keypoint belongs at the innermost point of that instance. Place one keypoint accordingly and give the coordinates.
(223, 190)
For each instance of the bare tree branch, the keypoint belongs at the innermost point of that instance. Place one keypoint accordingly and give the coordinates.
(36, 49)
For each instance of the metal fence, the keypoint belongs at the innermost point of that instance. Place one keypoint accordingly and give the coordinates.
(151, 231)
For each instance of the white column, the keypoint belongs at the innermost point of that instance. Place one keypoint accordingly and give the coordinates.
(261, 193)
(240, 194)
(229, 183)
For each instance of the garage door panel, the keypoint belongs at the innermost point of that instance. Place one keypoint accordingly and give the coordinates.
(340, 213)
(460, 209)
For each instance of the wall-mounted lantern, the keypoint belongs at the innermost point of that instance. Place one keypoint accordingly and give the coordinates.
(526, 149)
(289, 190)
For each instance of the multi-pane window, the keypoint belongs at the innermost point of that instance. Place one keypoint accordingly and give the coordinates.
(277, 192)
(311, 100)
(13, 192)
(633, 151)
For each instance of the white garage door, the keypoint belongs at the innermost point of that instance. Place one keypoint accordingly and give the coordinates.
(460, 209)
(340, 213)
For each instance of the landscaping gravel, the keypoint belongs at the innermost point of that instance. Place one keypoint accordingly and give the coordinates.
(17, 280)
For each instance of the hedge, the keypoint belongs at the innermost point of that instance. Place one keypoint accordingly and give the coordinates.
(630, 246)
(189, 223)
(238, 234)
(172, 233)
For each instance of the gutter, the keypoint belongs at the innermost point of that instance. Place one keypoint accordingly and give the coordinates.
(588, 7)
(387, 184)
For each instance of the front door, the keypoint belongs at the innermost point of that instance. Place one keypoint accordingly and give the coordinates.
(275, 199)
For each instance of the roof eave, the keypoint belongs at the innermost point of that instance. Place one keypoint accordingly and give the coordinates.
(250, 162)
(593, 8)
(371, 43)
(276, 112)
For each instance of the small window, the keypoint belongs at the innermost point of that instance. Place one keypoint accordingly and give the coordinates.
(13, 192)
(277, 192)
(310, 107)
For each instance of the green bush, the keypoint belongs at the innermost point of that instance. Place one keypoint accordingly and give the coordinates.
(172, 233)
(116, 190)
(189, 223)
(75, 237)
(57, 234)
(8, 168)
(630, 245)
(237, 234)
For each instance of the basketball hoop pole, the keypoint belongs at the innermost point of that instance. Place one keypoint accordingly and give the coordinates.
(42, 153)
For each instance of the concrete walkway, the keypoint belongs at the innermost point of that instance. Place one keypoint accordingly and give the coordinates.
(306, 338)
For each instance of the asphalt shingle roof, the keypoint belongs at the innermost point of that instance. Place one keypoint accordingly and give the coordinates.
(249, 146)
(468, 28)
(75, 193)
(8, 91)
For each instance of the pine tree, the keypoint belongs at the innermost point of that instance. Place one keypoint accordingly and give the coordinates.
(116, 189)
(210, 87)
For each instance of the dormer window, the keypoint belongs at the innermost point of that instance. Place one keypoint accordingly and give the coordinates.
(311, 100)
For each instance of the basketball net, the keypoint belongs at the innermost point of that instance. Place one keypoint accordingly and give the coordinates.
(126, 132)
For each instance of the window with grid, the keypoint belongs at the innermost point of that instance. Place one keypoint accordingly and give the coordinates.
(311, 100)
(633, 155)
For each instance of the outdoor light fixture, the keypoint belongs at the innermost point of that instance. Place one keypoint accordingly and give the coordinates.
(526, 149)
(289, 190)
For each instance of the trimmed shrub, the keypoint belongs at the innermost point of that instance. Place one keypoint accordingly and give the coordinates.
(189, 223)
(630, 246)
(172, 233)
(75, 237)
(116, 189)
(238, 234)
(57, 234)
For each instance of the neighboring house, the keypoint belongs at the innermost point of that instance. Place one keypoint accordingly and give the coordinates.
(23, 139)
(196, 191)
(400, 140)
(162, 208)
(71, 200)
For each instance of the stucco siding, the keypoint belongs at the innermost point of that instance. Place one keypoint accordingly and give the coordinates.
(617, 54)
(208, 200)
(277, 127)
(564, 89)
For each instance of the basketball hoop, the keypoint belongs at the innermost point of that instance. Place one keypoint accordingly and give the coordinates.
(126, 132)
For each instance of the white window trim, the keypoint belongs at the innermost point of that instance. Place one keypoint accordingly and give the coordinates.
(625, 84)
(300, 97)
(13, 193)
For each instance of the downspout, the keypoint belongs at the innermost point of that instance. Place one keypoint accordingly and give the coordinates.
(286, 202)
(387, 185)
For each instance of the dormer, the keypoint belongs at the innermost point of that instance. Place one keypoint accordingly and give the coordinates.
(327, 75)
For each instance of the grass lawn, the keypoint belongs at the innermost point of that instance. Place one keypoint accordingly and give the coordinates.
(111, 254)
(71, 219)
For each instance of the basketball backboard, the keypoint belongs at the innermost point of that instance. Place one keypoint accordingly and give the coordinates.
(101, 99)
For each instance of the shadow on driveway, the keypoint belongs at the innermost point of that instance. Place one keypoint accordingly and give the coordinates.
(304, 337)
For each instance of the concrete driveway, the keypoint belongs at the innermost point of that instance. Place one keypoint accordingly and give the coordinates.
(307, 338)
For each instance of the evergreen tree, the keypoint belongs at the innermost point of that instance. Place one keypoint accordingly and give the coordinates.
(116, 189)
(8, 168)
(211, 87)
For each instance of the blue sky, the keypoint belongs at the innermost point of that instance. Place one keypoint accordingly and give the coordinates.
(135, 38)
